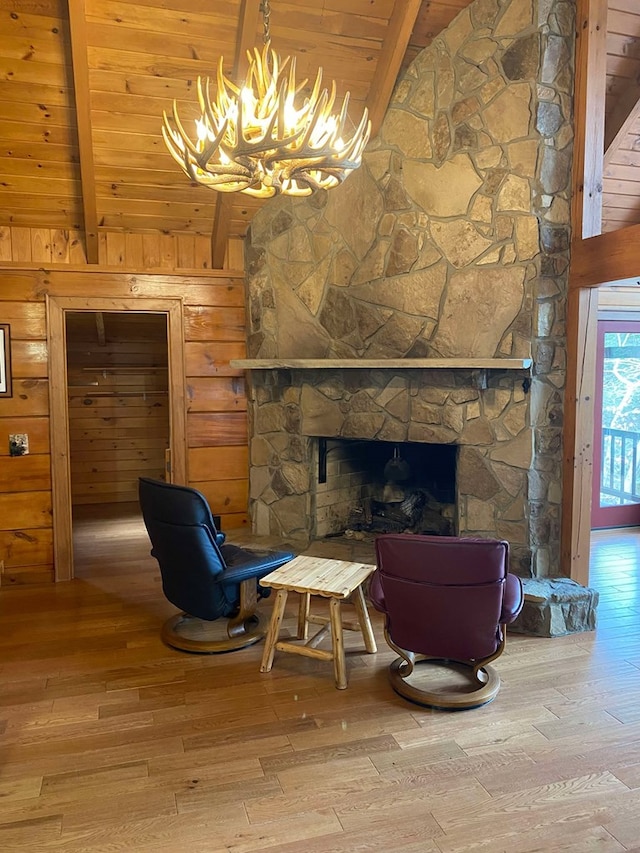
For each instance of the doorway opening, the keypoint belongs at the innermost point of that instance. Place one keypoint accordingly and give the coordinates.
(80, 387)
(117, 383)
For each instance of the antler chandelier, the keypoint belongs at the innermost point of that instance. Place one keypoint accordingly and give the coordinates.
(266, 137)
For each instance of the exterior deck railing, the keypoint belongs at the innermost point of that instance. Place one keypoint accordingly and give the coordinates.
(620, 474)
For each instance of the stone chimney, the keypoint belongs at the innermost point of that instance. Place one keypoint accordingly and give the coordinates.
(450, 242)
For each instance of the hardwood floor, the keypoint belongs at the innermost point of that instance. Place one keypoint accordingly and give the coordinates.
(112, 742)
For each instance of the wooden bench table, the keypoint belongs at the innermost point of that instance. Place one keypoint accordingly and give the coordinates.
(336, 580)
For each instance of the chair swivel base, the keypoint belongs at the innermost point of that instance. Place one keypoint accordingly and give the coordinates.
(181, 632)
(483, 681)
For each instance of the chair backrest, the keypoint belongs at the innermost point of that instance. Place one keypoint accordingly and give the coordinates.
(443, 594)
(183, 540)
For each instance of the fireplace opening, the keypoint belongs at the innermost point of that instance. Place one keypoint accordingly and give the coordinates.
(370, 487)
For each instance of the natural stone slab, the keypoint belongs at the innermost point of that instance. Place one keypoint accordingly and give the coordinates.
(442, 191)
(554, 607)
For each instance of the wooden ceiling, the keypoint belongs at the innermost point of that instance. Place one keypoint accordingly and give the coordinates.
(85, 82)
(621, 187)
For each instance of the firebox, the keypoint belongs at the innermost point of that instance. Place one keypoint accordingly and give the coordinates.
(366, 486)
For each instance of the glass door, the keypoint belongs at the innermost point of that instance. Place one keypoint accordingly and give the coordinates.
(616, 470)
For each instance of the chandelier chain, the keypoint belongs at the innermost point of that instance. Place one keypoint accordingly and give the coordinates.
(265, 8)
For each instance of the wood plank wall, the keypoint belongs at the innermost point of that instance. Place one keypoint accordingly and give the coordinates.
(216, 409)
(125, 250)
(118, 403)
(26, 541)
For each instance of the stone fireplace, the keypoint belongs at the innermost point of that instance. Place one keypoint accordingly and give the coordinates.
(427, 293)
(483, 413)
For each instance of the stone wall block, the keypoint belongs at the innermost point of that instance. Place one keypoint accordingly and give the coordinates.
(292, 418)
(516, 418)
(423, 95)
(537, 489)
(562, 19)
(544, 523)
(337, 315)
(297, 477)
(393, 430)
(554, 607)
(453, 417)
(480, 515)
(426, 413)
(269, 418)
(520, 560)
(515, 532)
(261, 452)
(548, 441)
(477, 432)
(458, 395)
(484, 12)
(430, 433)
(555, 171)
(544, 353)
(362, 425)
(279, 485)
(549, 119)
(554, 240)
(400, 408)
(556, 58)
(404, 252)
(395, 337)
(514, 510)
(474, 476)
(521, 59)
(408, 133)
(288, 517)
(260, 481)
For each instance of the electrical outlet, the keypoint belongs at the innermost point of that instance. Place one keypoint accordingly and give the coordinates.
(18, 444)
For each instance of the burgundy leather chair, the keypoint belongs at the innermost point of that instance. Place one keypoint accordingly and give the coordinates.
(446, 600)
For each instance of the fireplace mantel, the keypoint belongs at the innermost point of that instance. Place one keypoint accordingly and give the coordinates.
(381, 363)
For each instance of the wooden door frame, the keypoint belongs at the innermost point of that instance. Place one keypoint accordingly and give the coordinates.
(629, 512)
(57, 308)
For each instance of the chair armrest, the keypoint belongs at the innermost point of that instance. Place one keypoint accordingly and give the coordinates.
(220, 537)
(243, 563)
(512, 600)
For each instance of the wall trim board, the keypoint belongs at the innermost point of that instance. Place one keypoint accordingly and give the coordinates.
(97, 269)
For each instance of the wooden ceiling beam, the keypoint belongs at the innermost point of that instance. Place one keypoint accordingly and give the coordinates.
(610, 258)
(249, 20)
(582, 305)
(396, 41)
(80, 65)
(621, 120)
(589, 101)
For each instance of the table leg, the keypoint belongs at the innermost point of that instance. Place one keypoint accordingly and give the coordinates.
(364, 620)
(337, 644)
(273, 631)
(303, 615)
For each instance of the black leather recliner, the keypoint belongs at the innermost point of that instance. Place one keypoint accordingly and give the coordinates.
(205, 577)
